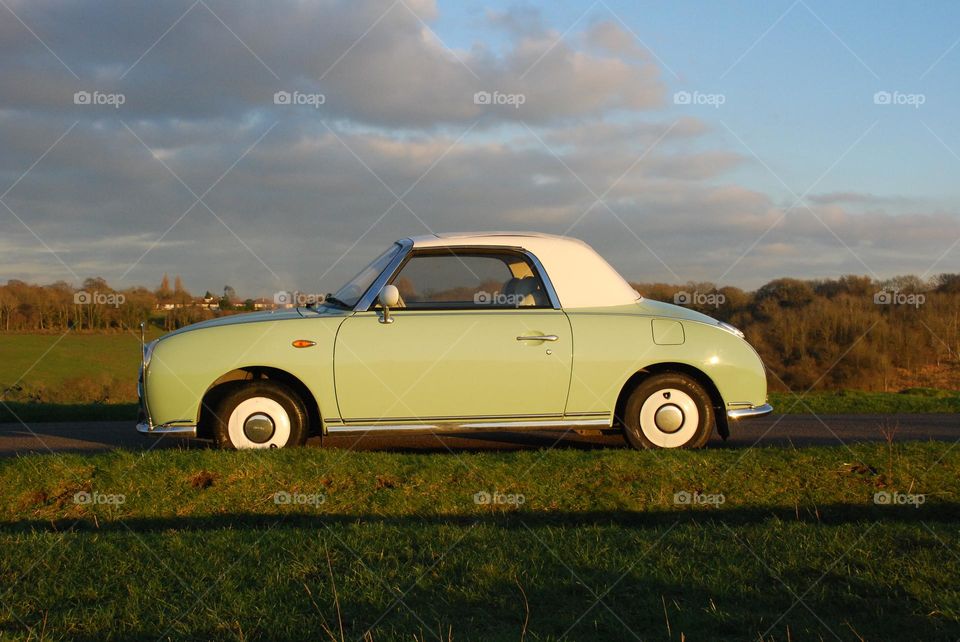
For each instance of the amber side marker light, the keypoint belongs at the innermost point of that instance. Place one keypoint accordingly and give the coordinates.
(303, 343)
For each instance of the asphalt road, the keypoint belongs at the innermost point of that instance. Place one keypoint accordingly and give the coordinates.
(779, 431)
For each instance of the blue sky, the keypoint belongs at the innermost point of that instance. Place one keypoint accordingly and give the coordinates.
(798, 96)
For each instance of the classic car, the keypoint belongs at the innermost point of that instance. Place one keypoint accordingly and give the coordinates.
(458, 332)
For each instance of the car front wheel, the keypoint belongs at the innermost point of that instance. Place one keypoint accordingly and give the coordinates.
(262, 414)
(669, 410)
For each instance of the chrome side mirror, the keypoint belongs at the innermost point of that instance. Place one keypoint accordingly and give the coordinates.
(389, 298)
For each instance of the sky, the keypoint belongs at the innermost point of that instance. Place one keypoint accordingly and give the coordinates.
(281, 146)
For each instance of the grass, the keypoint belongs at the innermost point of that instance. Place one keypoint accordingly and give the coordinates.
(71, 368)
(394, 546)
(912, 400)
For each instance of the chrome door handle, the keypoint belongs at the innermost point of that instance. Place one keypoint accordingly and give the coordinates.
(540, 337)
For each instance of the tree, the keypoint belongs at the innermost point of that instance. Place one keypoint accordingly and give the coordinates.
(164, 294)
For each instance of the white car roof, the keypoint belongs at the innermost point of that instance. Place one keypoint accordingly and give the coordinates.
(580, 276)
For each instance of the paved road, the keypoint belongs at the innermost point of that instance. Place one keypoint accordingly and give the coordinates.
(798, 430)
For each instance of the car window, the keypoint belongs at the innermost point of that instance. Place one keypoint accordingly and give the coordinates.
(351, 292)
(481, 280)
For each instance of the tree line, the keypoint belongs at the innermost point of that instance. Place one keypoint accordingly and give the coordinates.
(852, 332)
(97, 306)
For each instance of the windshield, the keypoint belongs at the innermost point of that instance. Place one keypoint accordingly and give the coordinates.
(350, 293)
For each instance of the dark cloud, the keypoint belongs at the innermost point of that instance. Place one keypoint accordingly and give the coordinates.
(299, 197)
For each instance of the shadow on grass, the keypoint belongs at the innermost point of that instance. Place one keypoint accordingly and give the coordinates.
(828, 515)
(568, 594)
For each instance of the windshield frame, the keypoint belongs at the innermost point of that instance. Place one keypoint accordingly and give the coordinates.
(400, 250)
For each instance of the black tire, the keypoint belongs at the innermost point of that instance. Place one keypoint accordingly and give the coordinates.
(265, 414)
(669, 410)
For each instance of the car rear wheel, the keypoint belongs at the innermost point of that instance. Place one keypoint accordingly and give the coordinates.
(670, 410)
(262, 414)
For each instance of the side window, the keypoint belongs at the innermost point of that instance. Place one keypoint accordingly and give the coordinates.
(469, 280)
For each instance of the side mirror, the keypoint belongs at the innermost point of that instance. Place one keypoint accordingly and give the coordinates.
(389, 298)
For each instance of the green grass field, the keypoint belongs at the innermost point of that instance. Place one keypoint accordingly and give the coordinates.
(582, 545)
(71, 368)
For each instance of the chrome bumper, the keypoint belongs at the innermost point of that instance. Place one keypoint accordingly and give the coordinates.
(751, 411)
(182, 430)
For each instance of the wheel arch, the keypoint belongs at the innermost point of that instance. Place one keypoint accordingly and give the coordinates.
(683, 368)
(237, 376)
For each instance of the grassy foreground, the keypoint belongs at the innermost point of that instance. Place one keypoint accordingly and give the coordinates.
(764, 544)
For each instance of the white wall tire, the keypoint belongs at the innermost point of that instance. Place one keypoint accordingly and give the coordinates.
(259, 422)
(259, 415)
(670, 410)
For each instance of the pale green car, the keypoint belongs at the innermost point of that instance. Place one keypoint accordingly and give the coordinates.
(466, 332)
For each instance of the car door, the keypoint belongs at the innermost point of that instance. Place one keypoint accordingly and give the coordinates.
(476, 336)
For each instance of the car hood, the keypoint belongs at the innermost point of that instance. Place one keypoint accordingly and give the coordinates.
(257, 317)
(661, 309)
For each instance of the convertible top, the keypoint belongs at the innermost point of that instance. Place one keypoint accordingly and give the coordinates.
(580, 276)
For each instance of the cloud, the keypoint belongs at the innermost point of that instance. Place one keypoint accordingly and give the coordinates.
(300, 197)
(857, 198)
(375, 63)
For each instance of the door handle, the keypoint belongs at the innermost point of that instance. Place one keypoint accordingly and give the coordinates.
(540, 337)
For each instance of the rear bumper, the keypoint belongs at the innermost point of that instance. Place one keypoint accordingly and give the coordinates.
(751, 411)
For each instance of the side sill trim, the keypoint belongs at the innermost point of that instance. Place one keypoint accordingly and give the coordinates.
(166, 429)
(474, 426)
(752, 411)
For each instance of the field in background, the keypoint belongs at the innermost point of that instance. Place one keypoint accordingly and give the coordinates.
(495, 546)
(92, 376)
(77, 368)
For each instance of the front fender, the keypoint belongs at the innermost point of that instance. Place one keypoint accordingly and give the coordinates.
(184, 365)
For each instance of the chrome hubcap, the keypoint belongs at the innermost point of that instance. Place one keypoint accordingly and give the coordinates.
(669, 418)
(259, 428)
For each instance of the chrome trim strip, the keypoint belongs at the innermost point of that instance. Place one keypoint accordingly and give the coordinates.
(448, 418)
(467, 427)
(544, 278)
(182, 430)
(537, 424)
(363, 305)
(371, 294)
(752, 411)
